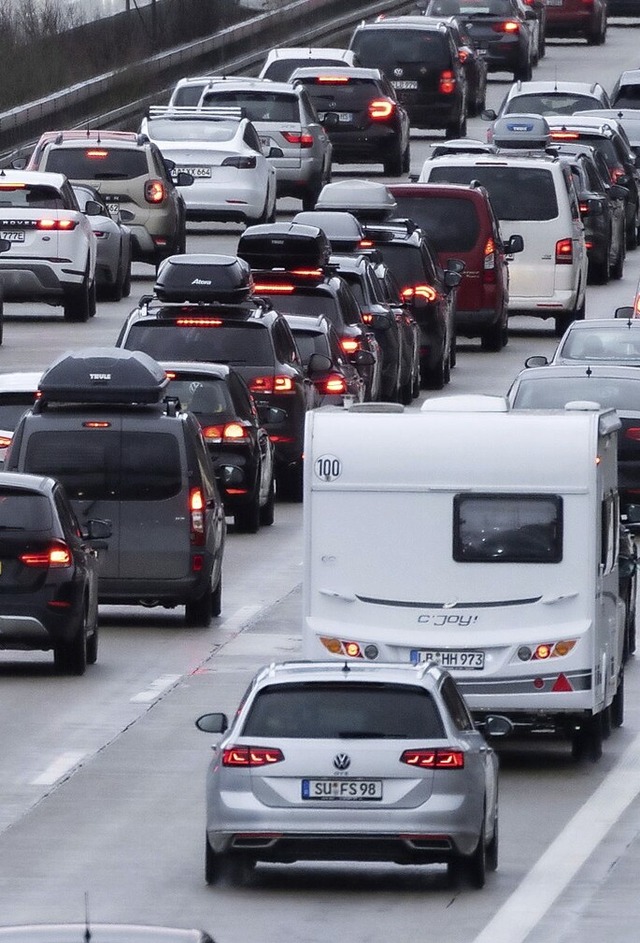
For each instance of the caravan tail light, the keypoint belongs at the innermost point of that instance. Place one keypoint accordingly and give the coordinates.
(272, 384)
(564, 252)
(447, 84)
(489, 263)
(57, 555)
(350, 649)
(545, 650)
(196, 516)
(251, 756)
(442, 758)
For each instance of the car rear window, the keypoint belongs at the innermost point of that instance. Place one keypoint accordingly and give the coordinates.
(201, 395)
(628, 96)
(237, 344)
(24, 511)
(258, 106)
(24, 196)
(406, 263)
(311, 342)
(553, 392)
(107, 465)
(281, 69)
(97, 163)
(12, 406)
(353, 95)
(181, 129)
(517, 193)
(602, 145)
(342, 711)
(621, 345)
(486, 8)
(385, 48)
(551, 103)
(452, 224)
(308, 304)
(188, 94)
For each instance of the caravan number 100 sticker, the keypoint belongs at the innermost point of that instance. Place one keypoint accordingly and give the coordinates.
(328, 467)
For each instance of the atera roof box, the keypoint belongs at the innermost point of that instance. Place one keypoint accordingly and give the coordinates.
(103, 375)
(206, 278)
(284, 246)
(343, 230)
(525, 132)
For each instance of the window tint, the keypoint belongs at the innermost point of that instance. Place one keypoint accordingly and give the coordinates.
(108, 465)
(451, 224)
(26, 196)
(97, 163)
(24, 510)
(628, 97)
(610, 536)
(385, 48)
(12, 406)
(180, 129)
(405, 261)
(188, 94)
(202, 395)
(337, 711)
(257, 106)
(240, 344)
(516, 192)
(551, 103)
(307, 304)
(309, 343)
(515, 528)
(456, 706)
(553, 392)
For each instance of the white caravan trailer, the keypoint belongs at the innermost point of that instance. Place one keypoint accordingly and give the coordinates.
(477, 537)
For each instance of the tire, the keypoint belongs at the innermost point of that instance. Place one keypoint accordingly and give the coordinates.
(447, 370)
(394, 163)
(212, 869)
(290, 482)
(71, 657)
(617, 269)
(631, 238)
(600, 272)
(415, 387)
(617, 705)
(524, 72)
(92, 646)
(268, 510)
(471, 868)
(198, 612)
(492, 849)
(433, 379)
(1, 320)
(310, 196)
(216, 599)
(77, 302)
(406, 159)
(587, 742)
(247, 518)
(493, 337)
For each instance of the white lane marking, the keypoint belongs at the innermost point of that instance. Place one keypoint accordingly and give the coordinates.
(242, 616)
(155, 689)
(562, 860)
(56, 770)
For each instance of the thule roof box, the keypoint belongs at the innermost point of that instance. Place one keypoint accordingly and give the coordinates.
(103, 375)
(204, 278)
(284, 246)
(343, 230)
(365, 199)
(525, 132)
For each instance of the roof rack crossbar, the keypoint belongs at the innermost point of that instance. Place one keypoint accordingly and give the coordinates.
(190, 111)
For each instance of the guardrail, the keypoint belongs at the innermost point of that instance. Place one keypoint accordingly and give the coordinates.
(120, 96)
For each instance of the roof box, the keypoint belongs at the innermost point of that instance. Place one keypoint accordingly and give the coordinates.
(343, 230)
(521, 131)
(365, 199)
(209, 278)
(103, 375)
(284, 246)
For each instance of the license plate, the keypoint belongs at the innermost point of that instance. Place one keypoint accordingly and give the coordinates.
(344, 117)
(482, 50)
(459, 660)
(12, 235)
(198, 171)
(342, 789)
(114, 209)
(404, 84)
(554, 3)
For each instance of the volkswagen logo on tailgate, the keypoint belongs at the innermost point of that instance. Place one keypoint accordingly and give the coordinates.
(341, 761)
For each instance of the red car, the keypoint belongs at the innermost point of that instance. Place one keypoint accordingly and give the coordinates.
(586, 18)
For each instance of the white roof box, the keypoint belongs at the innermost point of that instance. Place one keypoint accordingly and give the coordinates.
(526, 132)
(365, 199)
(466, 403)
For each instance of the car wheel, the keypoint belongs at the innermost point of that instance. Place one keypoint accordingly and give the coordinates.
(290, 482)
(394, 163)
(268, 510)
(492, 849)
(447, 369)
(600, 272)
(216, 599)
(71, 657)
(475, 866)
(631, 240)
(247, 518)
(493, 337)
(406, 159)
(587, 742)
(433, 378)
(415, 388)
(198, 612)
(617, 705)
(524, 72)
(92, 647)
(1, 319)
(77, 301)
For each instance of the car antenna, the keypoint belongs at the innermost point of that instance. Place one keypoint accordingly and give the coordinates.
(346, 668)
(87, 928)
(588, 371)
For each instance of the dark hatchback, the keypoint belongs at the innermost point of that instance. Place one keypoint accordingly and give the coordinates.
(361, 114)
(334, 376)
(241, 450)
(206, 321)
(48, 573)
(421, 60)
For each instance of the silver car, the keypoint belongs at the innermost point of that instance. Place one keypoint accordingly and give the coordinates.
(597, 340)
(113, 246)
(356, 762)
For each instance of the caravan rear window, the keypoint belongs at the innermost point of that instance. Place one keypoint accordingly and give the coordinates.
(514, 528)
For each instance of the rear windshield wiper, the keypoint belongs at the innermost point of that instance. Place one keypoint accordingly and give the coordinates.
(370, 735)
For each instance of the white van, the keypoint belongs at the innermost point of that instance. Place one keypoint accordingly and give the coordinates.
(534, 196)
(477, 537)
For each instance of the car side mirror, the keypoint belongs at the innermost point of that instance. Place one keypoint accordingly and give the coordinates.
(488, 114)
(212, 723)
(536, 361)
(184, 179)
(271, 415)
(318, 363)
(452, 279)
(616, 192)
(19, 163)
(97, 530)
(455, 265)
(497, 726)
(93, 208)
(626, 311)
(275, 152)
(364, 358)
(380, 322)
(530, 15)
(514, 244)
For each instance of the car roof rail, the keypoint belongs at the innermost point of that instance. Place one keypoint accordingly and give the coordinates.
(211, 112)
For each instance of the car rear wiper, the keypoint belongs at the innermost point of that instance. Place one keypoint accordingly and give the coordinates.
(10, 527)
(110, 176)
(369, 735)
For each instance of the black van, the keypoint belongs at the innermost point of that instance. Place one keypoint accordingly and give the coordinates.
(126, 453)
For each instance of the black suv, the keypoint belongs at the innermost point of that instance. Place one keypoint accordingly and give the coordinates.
(422, 63)
(49, 573)
(361, 114)
(204, 309)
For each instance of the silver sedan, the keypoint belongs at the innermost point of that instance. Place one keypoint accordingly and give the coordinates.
(113, 246)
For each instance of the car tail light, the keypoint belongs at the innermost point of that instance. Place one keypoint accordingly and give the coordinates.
(507, 26)
(545, 650)
(583, 206)
(301, 138)
(272, 384)
(447, 83)
(463, 55)
(632, 433)
(564, 252)
(251, 756)
(616, 173)
(275, 288)
(5, 441)
(350, 345)
(57, 225)
(198, 322)
(154, 191)
(380, 109)
(442, 758)
(489, 262)
(334, 383)
(227, 432)
(96, 153)
(241, 162)
(565, 135)
(57, 555)
(332, 80)
(428, 292)
(196, 516)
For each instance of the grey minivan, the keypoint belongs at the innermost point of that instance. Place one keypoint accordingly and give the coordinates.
(126, 452)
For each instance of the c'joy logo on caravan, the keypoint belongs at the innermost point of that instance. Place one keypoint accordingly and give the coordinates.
(328, 467)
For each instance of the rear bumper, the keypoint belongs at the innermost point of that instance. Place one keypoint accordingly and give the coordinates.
(473, 323)
(37, 281)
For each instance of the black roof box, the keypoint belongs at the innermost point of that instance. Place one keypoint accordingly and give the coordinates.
(284, 246)
(209, 278)
(103, 375)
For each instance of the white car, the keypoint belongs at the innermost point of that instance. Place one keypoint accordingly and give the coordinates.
(48, 246)
(114, 248)
(18, 392)
(282, 61)
(232, 178)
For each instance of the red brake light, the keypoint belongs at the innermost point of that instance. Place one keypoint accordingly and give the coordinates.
(302, 138)
(632, 433)
(154, 191)
(251, 756)
(198, 322)
(196, 516)
(5, 441)
(275, 288)
(332, 79)
(59, 225)
(616, 173)
(447, 82)
(96, 424)
(350, 345)
(271, 384)
(583, 206)
(463, 55)
(434, 759)
(507, 26)
(58, 555)
(564, 252)
(420, 291)
(565, 135)
(332, 384)
(96, 153)
(381, 108)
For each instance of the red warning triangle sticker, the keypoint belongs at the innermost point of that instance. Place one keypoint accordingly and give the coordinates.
(562, 683)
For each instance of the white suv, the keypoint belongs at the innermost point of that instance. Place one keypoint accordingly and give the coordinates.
(47, 246)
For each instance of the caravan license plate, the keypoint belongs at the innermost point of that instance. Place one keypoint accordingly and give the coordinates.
(350, 789)
(452, 659)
